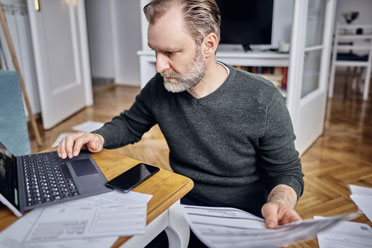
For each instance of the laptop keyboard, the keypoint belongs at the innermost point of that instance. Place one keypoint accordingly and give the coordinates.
(47, 179)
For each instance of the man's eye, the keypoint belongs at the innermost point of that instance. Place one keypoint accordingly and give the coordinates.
(169, 54)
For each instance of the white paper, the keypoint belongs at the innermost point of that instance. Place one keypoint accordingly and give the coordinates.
(61, 222)
(88, 126)
(360, 190)
(364, 203)
(346, 234)
(69, 224)
(60, 137)
(13, 236)
(110, 214)
(229, 227)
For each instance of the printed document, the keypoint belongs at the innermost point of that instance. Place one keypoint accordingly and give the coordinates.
(230, 227)
(346, 234)
(94, 221)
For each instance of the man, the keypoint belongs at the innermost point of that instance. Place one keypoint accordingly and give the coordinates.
(227, 130)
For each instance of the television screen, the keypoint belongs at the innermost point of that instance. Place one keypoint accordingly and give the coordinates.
(246, 22)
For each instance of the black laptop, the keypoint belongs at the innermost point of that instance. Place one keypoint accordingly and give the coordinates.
(43, 179)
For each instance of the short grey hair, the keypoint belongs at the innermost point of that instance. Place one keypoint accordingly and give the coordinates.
(201, 17)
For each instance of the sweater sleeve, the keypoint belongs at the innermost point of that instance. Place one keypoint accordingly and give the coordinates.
(130, 125)
(278, 157)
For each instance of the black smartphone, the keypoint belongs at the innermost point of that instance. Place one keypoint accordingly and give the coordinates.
(132, 177)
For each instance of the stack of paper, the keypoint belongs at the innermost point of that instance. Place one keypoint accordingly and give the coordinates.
(230, 227)
(346, 234)
(362, 197)
(95, 221)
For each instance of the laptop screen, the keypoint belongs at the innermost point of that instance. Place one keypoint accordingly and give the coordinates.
(8, 176)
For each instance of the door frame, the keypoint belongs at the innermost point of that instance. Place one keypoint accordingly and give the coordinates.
(307, 131)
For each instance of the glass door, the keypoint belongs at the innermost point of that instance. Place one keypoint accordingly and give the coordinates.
(309, 68)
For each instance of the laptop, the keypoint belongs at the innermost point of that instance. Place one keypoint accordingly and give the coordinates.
(38, 180)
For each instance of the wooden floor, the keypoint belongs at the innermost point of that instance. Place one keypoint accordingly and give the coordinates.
(341, 156)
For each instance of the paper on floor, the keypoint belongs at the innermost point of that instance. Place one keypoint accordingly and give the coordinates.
(88, 126)
(346, 234)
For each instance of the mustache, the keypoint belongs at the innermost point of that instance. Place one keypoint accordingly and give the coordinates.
(166, 74)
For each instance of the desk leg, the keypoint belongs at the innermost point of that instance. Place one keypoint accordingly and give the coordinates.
(178, 230)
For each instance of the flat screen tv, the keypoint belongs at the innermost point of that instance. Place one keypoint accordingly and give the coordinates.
(246, 22)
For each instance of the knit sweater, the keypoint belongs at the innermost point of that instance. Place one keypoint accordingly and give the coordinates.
(236, 144)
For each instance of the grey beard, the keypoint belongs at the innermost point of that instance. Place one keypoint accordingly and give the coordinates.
(180, 83)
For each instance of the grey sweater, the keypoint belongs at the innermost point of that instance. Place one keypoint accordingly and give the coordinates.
(236, 143)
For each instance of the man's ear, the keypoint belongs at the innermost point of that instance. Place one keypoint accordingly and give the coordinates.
(210, 44)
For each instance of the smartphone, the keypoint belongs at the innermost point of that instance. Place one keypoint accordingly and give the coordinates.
(132, 177)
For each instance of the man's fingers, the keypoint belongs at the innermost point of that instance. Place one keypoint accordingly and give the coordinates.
(79, 142)
(270, 213)
(287, 215)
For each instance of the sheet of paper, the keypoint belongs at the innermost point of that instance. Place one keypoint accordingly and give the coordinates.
(13, 236)
(364, 203)
(60, 222)
(115, 213)
(360, 190)
(109, 214)
(229, 227)
(346, 234)
(60, 137)
(88, 126)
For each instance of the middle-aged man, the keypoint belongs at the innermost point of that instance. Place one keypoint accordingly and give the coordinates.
(227, 130)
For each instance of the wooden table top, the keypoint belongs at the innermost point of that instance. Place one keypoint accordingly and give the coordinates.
(166, 187)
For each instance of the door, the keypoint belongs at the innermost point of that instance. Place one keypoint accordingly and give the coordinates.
(309, 68)
(60, 46)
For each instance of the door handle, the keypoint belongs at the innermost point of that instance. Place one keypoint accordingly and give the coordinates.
(37, 5)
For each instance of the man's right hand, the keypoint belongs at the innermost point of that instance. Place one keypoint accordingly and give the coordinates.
(71, 145)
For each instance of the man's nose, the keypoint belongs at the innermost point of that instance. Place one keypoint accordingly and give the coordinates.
(162, 63)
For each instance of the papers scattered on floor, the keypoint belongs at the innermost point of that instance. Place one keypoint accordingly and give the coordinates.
(60, 137)
(346, 234)
(362, 197)
(88, 126)
(95, 221)
(229, 227)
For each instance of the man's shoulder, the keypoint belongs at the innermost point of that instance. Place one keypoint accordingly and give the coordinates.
(254, 86)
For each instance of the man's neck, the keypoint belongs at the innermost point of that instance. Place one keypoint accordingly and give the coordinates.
(215, 76)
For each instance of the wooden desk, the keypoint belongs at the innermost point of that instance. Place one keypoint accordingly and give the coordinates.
(162, 211)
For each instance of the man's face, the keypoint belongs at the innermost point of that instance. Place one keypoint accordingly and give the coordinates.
(178, 59)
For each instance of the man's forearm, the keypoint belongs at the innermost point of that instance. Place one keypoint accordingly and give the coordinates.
(283, 194)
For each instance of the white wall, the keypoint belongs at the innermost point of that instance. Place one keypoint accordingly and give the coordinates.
(100, 38)
(364, 7)
(127, 41)
(282, 21)
(114, 34)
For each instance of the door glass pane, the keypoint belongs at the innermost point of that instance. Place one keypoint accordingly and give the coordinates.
(310, 80)
(315, 22)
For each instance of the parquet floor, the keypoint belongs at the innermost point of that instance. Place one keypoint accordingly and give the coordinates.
(341, 156)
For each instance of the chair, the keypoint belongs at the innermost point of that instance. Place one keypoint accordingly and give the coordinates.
(352, 48)
(13, 122)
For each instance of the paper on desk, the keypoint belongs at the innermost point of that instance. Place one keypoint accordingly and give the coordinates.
(346, 234)
(110, 214)
(229, 227)
(60, 137)
(88, 126)
(13, 236)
